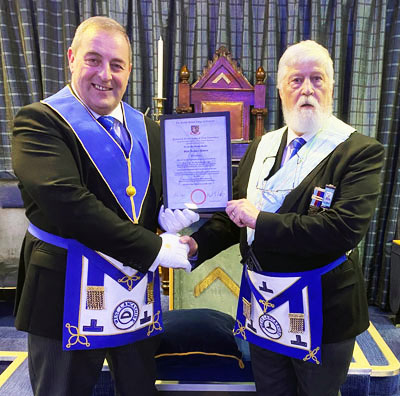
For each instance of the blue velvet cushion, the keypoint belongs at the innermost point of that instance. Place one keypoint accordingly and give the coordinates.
(10, 196)
(198, 345)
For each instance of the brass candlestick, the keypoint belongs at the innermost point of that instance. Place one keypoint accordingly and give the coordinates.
(159, 108)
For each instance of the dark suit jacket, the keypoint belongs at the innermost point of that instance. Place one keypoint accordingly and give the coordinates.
(65, 195)
(293, 241)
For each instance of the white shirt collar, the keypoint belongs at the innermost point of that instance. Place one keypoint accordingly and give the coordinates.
(291, 136)
(116, 113)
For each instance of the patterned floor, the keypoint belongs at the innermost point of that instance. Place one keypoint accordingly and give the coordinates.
(374, 371)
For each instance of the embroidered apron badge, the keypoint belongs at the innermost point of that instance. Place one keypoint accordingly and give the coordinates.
(95, 297)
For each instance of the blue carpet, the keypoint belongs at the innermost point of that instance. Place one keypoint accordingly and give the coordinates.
(13, 340)
(383, 321)
(3, 366)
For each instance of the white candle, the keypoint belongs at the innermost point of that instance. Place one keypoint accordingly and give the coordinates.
(160, 68)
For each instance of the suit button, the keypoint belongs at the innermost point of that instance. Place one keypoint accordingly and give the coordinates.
(130, 191)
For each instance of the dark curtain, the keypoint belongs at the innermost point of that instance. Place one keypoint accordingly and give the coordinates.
(363, 38)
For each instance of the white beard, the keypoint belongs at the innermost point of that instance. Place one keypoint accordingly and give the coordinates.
(304, 120)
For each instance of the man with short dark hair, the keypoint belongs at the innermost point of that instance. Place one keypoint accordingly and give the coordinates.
(303, 199)
(90, 176)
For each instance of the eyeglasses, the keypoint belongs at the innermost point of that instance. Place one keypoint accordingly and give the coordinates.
(262, 182)
(272, 196)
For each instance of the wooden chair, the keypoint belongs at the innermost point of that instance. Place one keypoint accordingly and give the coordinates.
(223, 87)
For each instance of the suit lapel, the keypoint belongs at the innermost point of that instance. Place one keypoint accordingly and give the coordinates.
(279, 155)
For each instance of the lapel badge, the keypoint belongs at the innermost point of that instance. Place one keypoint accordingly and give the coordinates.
(316, 200)
(317, 197)
(328, 196)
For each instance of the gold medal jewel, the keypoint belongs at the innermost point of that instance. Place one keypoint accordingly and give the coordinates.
(130, 191)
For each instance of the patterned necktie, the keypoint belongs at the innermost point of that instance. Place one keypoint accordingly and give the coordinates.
(108, 123)
(297, 144)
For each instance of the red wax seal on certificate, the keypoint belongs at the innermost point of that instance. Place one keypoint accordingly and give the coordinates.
(198, 196)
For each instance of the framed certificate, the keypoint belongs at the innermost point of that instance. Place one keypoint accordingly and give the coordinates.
(196, 161)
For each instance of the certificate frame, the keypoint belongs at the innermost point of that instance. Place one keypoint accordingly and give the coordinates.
(196, 161)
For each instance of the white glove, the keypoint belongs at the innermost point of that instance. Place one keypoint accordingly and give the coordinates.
(175, 221)
(172, 254)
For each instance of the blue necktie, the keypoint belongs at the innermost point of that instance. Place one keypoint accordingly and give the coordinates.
(108, 123)
(297, 144)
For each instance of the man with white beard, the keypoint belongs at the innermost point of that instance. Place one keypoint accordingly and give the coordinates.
(303, 199)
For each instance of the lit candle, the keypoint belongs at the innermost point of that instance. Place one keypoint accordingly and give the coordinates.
(160, 68)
